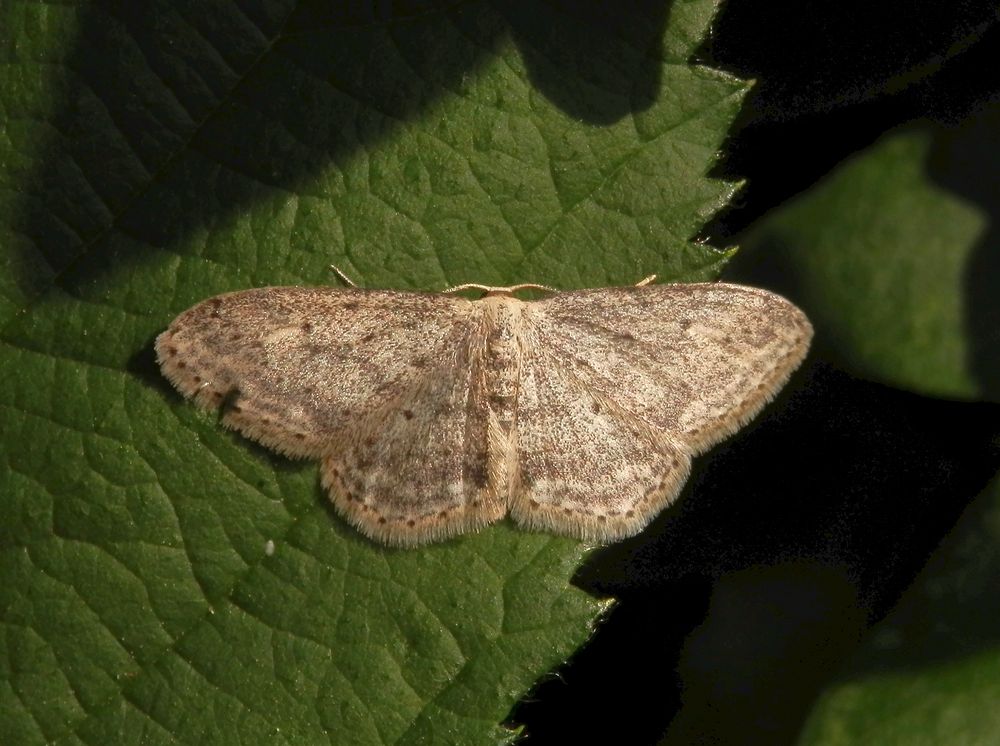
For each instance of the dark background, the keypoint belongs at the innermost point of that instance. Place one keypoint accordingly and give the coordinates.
(790, 540)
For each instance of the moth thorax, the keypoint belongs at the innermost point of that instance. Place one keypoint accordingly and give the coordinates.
(502, 360)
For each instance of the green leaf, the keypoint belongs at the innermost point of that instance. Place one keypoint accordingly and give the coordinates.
(887, 259)
(928, 673)
(164, 580)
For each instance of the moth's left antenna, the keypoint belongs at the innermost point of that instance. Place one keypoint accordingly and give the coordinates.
(343, 276)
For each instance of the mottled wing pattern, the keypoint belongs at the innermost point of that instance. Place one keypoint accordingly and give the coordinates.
(420, 469)
(695, 361)
(299, 368)
(433, 415)
(586, 467)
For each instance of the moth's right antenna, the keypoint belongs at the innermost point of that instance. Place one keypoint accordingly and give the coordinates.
(507, 290)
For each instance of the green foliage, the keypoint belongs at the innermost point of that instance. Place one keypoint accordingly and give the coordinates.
(151, 158)
(883, 249)
(927, 673)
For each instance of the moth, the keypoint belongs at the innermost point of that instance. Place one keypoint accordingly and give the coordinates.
(433, 414)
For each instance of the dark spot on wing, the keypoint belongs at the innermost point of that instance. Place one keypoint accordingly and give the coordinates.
(477, 473)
